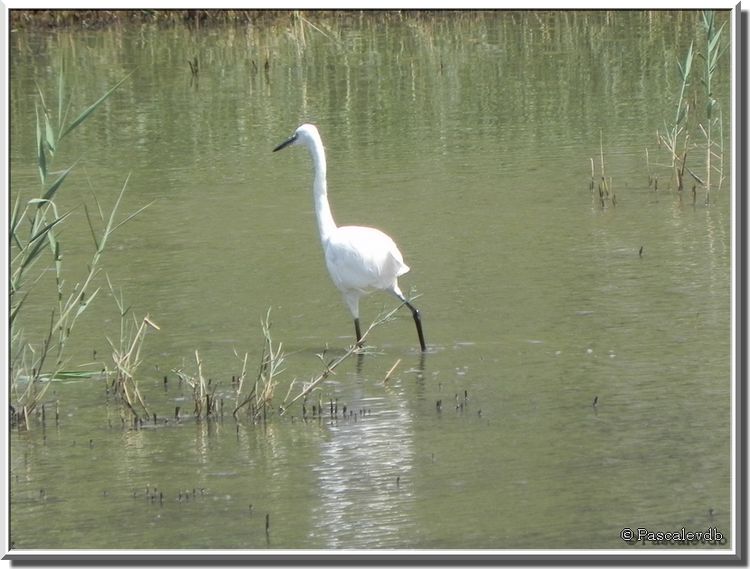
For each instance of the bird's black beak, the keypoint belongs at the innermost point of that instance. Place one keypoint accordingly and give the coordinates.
(286, 143)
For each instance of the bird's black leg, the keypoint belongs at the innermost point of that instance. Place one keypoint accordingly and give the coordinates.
(418, 322)
(357, 330)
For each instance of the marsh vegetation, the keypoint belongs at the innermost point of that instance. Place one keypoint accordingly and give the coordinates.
(174, 333)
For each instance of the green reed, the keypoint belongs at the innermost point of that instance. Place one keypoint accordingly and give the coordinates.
(676, 137)
(677, 129)
(35, 244)
(714, 150)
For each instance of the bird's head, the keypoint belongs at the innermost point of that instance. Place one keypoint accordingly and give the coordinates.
(305, 134)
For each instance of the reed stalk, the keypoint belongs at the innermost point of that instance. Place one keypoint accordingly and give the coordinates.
(127, 357)
(272, 361)
(676, 137)
(204, 390)
(330, 366)
(714, 48)
(671, 136)
(35, 233)
(605, 186)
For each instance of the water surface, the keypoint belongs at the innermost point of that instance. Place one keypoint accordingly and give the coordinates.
(468, 138)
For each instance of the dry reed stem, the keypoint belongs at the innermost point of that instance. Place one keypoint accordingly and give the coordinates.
(390, 371)
(241, 379)
(127, 362)
(271, 362)
(333, 364)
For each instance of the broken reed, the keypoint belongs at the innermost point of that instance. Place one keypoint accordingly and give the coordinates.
(127, 358)
(331, 365)
(259, 400)
(605, 186)
(20, 418)
(205, 400)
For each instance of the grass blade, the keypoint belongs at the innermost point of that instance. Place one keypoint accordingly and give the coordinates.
(14, 311)
(84, 304)
(91, 227)
(15, 221)
(60, 96)
(685, 71)
(55, 246)
(91, 108)
(43, 231)
(33, 254)
(55, 186)
(110, 222)
(49, 135)
(41, 158)
(132, 215)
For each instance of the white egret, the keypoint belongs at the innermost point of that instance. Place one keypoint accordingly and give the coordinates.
(359, 259)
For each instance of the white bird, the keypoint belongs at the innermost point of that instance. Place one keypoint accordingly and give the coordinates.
(359, 259)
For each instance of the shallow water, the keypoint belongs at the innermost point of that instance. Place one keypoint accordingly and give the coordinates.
(468, 139)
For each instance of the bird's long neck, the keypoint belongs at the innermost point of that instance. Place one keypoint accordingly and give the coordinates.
(326, 224)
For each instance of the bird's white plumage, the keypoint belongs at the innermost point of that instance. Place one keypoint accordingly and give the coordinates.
(359, 259)
(363, 258)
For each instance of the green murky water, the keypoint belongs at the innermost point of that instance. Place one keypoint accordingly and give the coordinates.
(469, 139)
